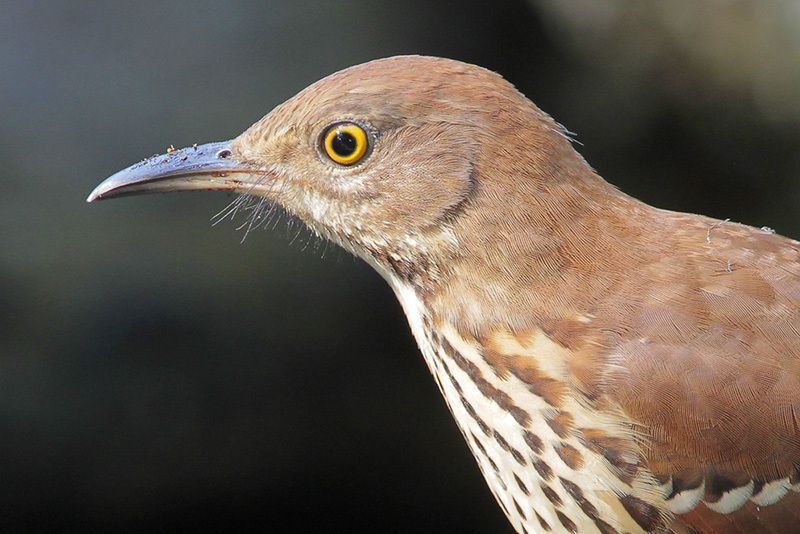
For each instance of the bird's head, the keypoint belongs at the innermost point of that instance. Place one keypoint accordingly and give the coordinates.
(386, 157)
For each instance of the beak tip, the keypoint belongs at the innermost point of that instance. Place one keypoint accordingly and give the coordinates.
(95, 195)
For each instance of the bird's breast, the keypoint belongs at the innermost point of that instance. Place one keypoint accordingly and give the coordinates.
(540, 447)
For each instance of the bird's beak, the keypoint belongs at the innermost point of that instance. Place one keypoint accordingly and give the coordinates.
(209, 166)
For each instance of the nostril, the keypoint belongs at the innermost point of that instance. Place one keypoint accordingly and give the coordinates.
(224, 153)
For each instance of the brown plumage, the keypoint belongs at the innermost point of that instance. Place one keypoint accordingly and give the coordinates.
(614, 367)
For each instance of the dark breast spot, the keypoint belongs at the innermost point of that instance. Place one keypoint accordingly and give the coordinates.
(544, 524)
(551, 495)
(467, 405)
(543, 469)
(509, 449)
(500, 398)
(561, 424)
(521, 485)
(646, 515)
(576, 493)
(571, 456)
(483, 452)
(452, 379)
(478, 443)
(500, 481)
(520, 510)
(566, 522)
(587, 507)
(533, 441)
(550, 390)
(615, 450)
(475, 417)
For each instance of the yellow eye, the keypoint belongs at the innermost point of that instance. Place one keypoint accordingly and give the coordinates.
(345, 143)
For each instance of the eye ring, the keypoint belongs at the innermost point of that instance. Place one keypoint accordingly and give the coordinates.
(345, 143)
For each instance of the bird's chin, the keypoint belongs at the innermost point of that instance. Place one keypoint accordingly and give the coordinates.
(212, 166)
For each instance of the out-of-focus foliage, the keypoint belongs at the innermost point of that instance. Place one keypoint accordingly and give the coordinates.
(743, 53)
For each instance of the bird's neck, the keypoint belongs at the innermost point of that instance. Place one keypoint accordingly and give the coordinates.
(526, 257)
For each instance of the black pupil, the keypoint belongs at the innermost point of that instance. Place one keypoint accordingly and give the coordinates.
(344, 144)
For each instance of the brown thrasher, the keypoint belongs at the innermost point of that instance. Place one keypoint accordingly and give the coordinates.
(613, 367)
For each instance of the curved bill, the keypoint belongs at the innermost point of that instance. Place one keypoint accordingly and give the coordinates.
(209, 166)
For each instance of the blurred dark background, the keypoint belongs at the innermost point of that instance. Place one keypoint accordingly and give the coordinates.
(157, 374)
